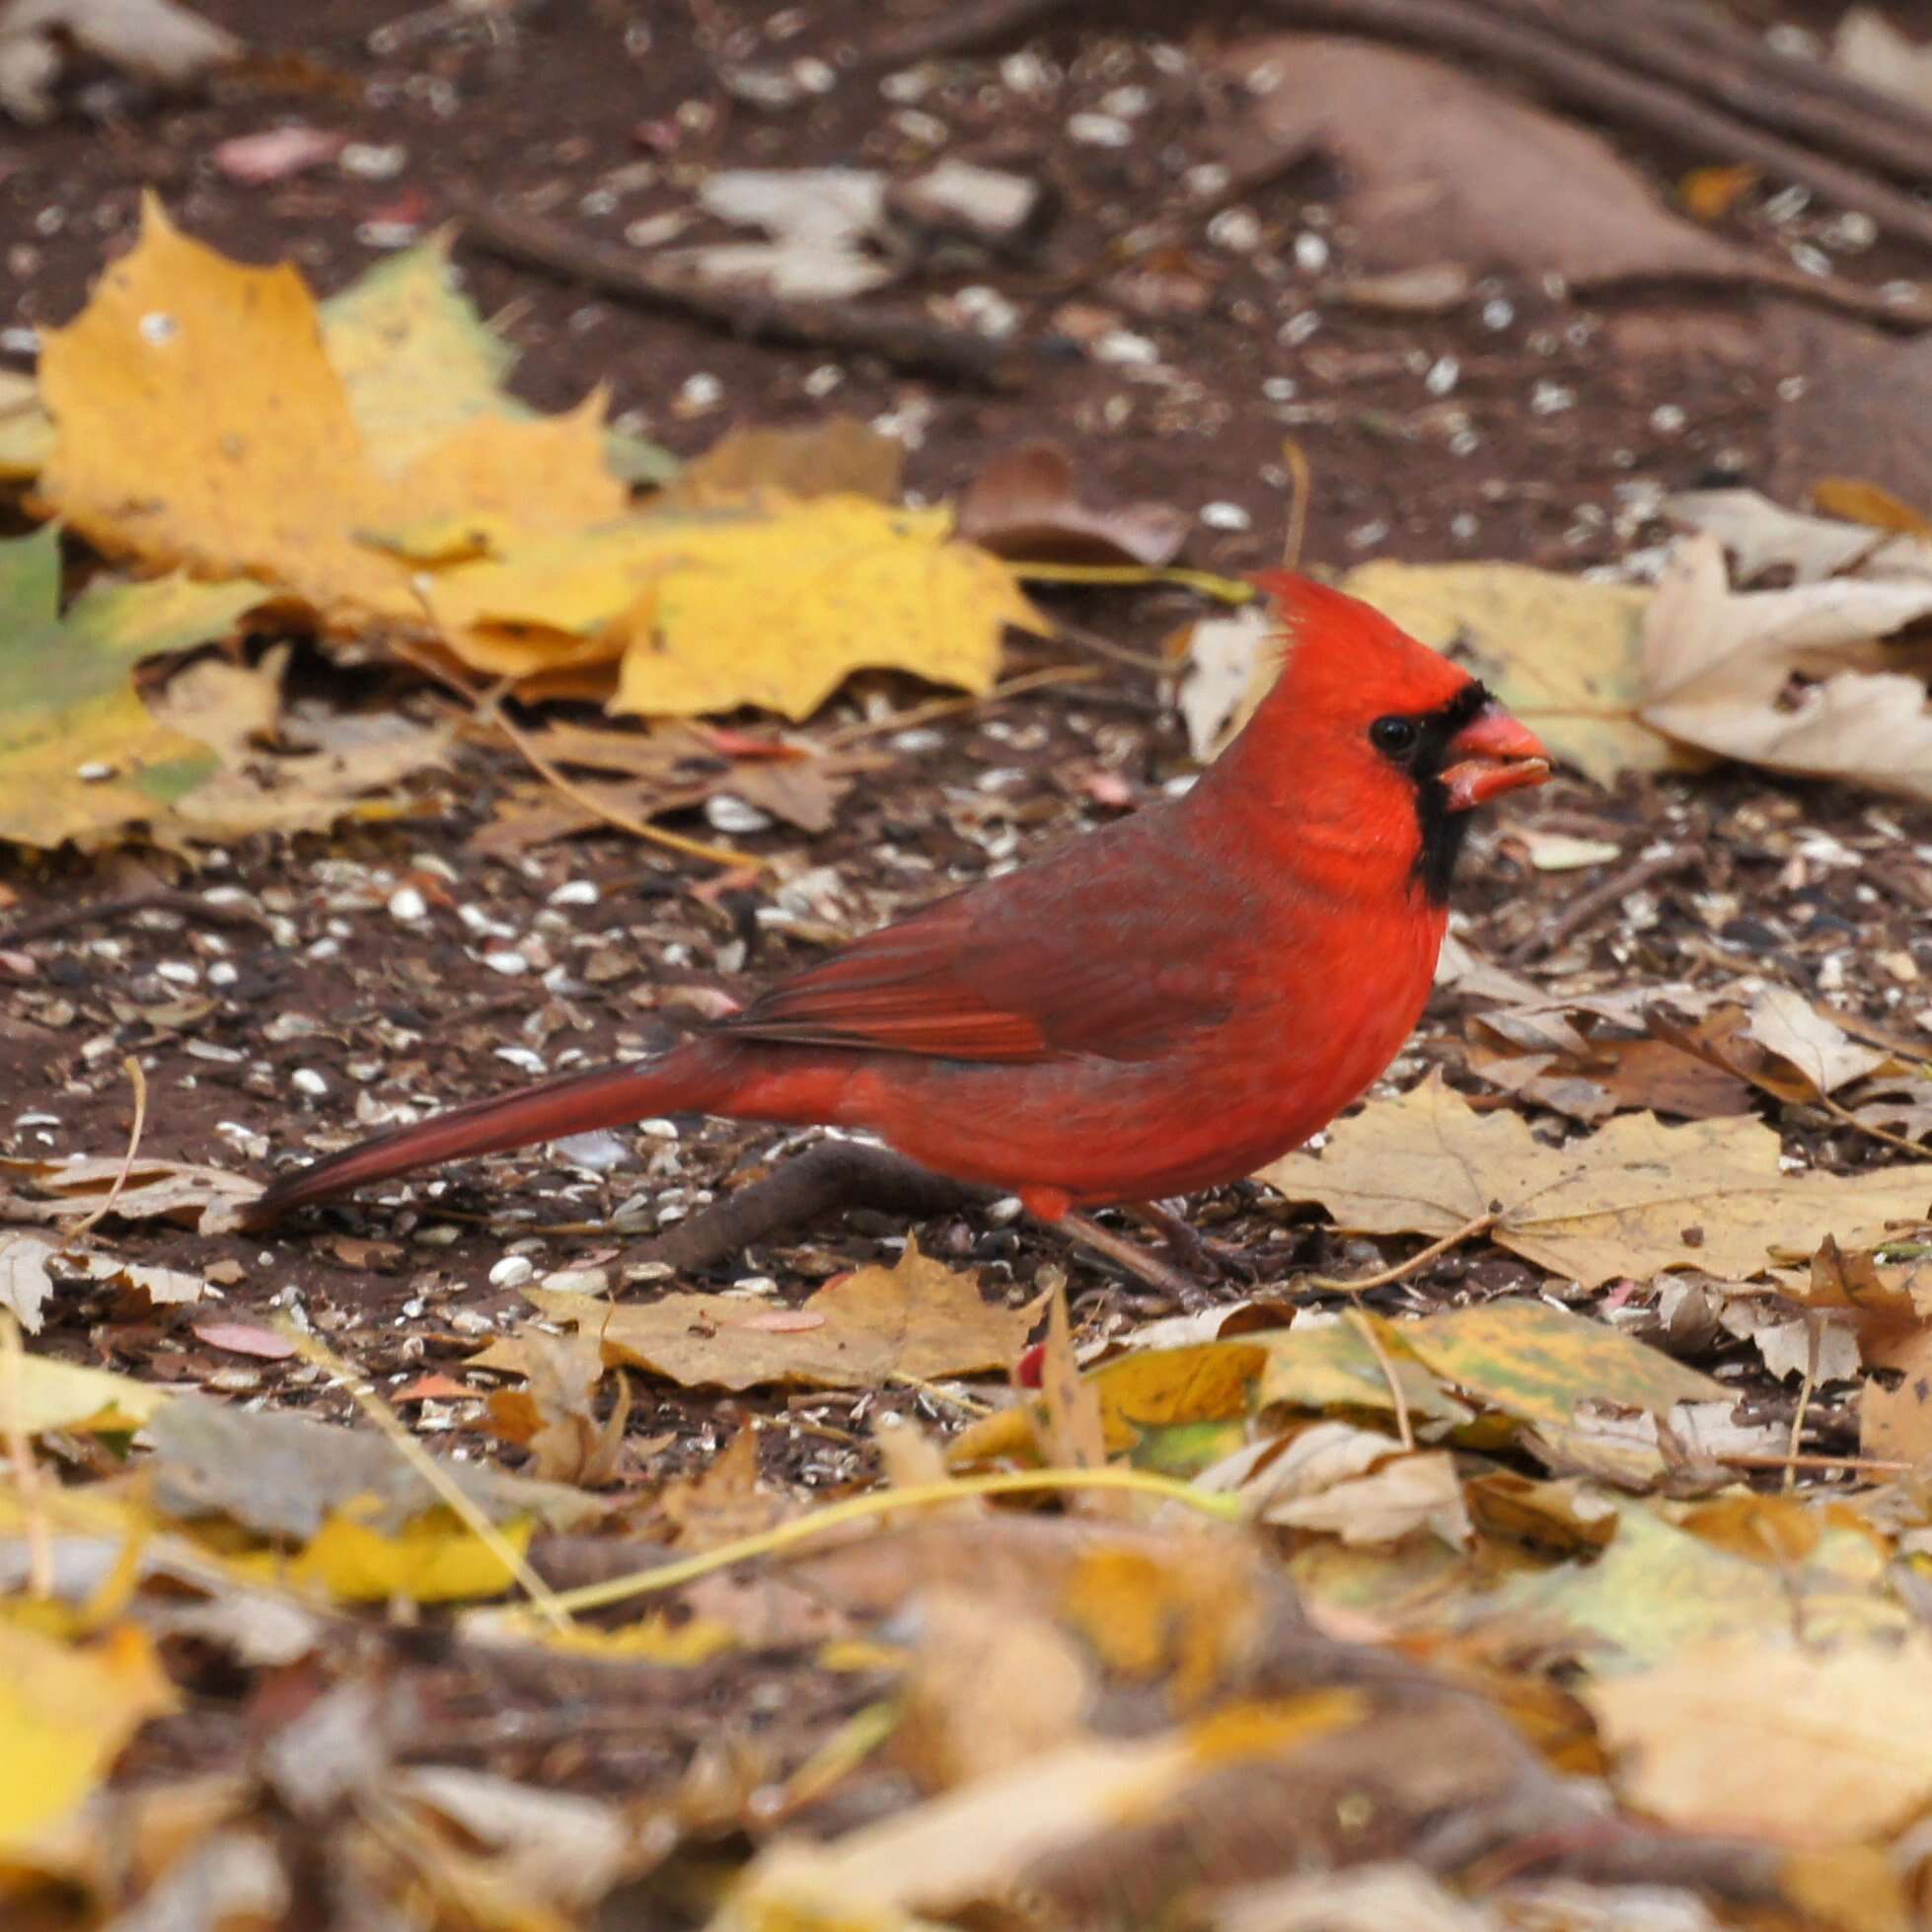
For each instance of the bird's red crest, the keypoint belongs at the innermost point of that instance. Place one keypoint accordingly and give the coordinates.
(1342, 656)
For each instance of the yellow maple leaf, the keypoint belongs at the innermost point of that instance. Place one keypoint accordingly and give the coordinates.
(199, 421)
(772, 604)
(432, 1559)
(65, 1714)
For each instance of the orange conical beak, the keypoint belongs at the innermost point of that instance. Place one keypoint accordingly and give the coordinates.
(1492, 754)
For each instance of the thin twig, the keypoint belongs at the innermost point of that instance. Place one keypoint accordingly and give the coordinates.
(1843, 1114)
(1814, 1342)
(904, 343)
(320, 1355)
(189, 905)
(1580, 912)
(28, 1474)
(485, 709)
(1208, 583)
(1404, 1431)
(580, 795)
(1806, 99)
(889, 1502)
(132, 1068)
(957, 29)
(937, 707)
(1416, 1263)
(1301, 479)
(1751, 1460)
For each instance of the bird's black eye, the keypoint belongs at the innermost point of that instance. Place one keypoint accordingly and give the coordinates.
(1397, 736)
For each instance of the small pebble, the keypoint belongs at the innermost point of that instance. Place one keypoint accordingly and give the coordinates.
(727, 812)
(576, 892)
(1122, 345)
(1094, 130)
(509, 964)
(407, 904)
(369, 162)
(1226, 516)
(512, 1271)
(1310, 254)
(576, 1280)
(1237, 229)
(305, 1079)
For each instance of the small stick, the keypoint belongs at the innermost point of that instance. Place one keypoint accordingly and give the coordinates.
(486, 711)
(1363, 1326)
(1646, 872)
(890, 1502)
(937, 707)
(638, 827)
(1814, 1342)
(1751, 1460)
(27, 1468)
(917, 347)
(1840, 1113)
(957, 30)
(132, 1068)
(1300, 478)
(1402, 1270)
(160, 899)
(1159, 1274)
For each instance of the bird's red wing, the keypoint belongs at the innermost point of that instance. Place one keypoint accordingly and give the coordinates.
(901, 990)
(1042, 964)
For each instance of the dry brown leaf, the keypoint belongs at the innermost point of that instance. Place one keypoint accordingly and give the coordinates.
(556, 1417)
(1355, 1484)
(1634, 1198)
(1755, 1736)
(1759, 536)
(208, 1198)
(1718, 666)
(1862, 410)
(920, 1318)
(157, 40)
(1441, 165)
(1026, 506)
(1791, 1026)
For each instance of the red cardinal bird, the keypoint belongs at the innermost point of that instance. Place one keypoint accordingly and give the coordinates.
(1162, 1005)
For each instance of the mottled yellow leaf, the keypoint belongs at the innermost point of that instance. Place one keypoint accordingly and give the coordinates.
(1540, 1364)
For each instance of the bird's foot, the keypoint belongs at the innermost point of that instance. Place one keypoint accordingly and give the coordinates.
(1182, 1291)
(1199, 1254)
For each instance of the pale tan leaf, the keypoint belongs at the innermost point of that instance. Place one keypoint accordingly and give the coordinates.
(1634, 1198)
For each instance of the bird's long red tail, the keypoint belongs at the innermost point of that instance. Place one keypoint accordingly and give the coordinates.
(691, 1079)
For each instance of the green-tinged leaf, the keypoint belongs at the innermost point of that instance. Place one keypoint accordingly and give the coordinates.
(80, 754)
(1540, 1364)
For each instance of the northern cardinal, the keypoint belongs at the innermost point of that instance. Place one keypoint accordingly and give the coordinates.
(1162, 1005)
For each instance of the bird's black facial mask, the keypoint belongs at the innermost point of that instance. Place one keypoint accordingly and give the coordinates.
(1420, 743)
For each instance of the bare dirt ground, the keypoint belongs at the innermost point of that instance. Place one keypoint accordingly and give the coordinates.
(283, 993)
